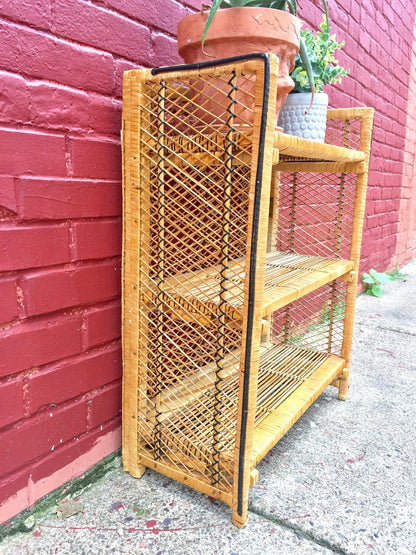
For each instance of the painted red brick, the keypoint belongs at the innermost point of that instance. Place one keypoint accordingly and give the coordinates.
(194, 4)
(39, 435)
(36, 13)
(70, 452)
(105, 115)
(64, 380)
(32, 152)
(11, 402)
(38, 342)
(110, 32)
(59, 199)
(44, 467)
(57, 107)
(96, 159)
(164, 51)
(102, 325)
(7, 193)
(339, 16)
(14, 98)
(11, 485)
(48, 246)
(47, 291)
(120, 67)
(8, 300)
(164, 15)
(47, 57)
(104, 405)
(97, 239)
(356, 11)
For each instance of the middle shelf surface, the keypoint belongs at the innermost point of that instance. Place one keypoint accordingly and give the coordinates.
(288, 276)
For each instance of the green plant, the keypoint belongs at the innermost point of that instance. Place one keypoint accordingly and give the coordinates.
(374, 281)
(282, 5)
(397, 275)
(320, 48)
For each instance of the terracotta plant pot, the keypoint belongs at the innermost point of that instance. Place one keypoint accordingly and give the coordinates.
(296, 120)
(238, 31)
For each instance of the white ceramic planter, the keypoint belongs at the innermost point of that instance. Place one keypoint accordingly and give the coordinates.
(295, 121)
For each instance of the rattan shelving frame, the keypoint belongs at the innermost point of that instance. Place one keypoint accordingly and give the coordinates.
(241, 249)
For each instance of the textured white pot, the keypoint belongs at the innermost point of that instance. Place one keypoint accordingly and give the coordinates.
(295, 121)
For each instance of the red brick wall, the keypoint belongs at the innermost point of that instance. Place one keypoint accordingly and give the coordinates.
(378, 45)
(406, 242)
(61, 67)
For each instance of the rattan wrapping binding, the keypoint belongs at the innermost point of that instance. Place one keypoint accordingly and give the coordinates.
(240, 257)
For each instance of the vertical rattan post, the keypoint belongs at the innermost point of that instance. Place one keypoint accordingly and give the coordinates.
(130, 288)
(272, 238)
(367, 116)
(263, 134)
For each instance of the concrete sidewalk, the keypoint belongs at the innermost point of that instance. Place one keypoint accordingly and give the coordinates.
(342, 480)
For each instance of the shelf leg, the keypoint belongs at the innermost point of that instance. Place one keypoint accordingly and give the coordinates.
(343, 382)
(254, 476)
(137, 471)
(240, 521)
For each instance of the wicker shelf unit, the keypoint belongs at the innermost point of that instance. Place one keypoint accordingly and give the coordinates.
(240, 258)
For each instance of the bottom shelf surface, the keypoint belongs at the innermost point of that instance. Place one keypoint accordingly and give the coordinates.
(290, 379)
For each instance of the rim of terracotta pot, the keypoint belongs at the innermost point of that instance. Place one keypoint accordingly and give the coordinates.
(267, 23)
(304, 98)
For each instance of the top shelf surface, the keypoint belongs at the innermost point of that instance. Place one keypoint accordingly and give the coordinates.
(209, 147)
(290, 147)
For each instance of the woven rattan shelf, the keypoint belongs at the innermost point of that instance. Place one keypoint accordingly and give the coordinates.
(288, 276)
(292, 148)
(209, 147)
(240, 256)
(290, 378)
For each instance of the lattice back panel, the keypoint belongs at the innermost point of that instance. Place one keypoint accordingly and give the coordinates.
(316, 213)
(316, 321)
(343, 132)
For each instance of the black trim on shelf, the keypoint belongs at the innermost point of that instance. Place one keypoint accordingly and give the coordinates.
(211, 63)
(252, 282)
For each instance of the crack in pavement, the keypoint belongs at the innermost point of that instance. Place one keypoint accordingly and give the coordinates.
(404, 332)
(322, 542)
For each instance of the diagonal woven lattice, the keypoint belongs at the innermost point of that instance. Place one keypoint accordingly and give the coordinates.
(316, 213)
(195, 173)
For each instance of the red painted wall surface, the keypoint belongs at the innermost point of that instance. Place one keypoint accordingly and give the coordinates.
(61, 65)
(61, 68)
(406, 241)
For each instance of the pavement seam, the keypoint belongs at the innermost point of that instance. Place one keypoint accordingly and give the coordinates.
(403, 332)
(300, 532)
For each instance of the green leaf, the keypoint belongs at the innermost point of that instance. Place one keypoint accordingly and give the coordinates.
(319, 48)
(367, 278)
(377, 291)
(212, 12)
(303, 53)
(381, 278)
(242, 3)
(293, 7)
